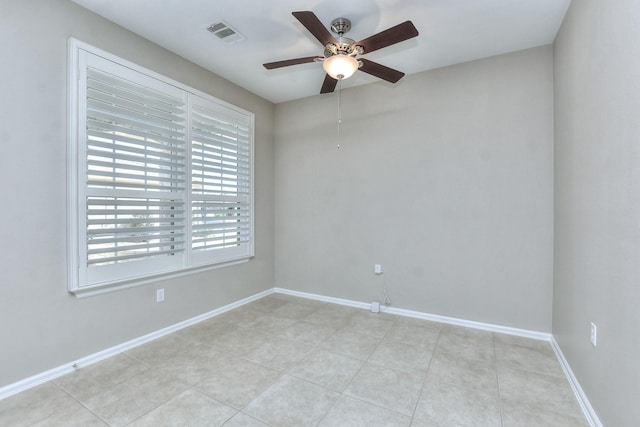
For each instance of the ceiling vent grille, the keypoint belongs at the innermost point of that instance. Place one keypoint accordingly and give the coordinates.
(225, 32)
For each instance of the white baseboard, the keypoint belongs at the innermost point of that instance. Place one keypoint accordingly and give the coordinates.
(583, 401)
(323, 298)
(425, 316)
(51, 374)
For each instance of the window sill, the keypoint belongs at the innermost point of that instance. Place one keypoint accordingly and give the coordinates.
(103, 288)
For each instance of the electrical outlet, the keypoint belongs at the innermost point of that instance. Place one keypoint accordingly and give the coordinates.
(594, 334)
(159, 295)
(377, 269)
(375, 307)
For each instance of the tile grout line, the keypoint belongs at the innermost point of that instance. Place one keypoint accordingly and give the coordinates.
(78, 401)
(424, 381)
(395, 319)
(495, 362)
(350, 380)
(284, 372)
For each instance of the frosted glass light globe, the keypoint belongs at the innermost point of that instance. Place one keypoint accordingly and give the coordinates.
(340, 66)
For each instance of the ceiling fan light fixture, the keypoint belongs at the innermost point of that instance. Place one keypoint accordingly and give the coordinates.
(340, 66)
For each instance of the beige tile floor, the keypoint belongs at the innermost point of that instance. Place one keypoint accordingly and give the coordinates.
(286, 361)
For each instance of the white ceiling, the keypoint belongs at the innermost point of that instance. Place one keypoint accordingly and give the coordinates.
(451, 31)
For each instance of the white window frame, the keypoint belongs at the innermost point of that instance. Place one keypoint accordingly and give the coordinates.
(81, 278)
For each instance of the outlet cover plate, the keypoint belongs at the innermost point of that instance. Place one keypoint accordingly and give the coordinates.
(375, 307)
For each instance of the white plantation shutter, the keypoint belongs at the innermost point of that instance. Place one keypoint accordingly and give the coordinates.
(161, 178)
(134, 154)
(220, 181)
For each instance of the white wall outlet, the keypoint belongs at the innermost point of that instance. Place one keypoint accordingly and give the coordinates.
(377, 269)
(159, 295)
(375, 307)
(594, 334)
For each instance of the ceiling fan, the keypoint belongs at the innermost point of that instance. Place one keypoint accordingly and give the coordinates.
(340, 58)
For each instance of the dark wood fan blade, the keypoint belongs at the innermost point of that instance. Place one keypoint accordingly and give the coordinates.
(286, 63)
(381, 71)
(329, 84)
(315, 27)
(393, 35)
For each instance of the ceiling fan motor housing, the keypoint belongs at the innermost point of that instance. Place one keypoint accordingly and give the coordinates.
(344, 46)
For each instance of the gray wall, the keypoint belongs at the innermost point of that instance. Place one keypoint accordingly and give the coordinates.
(597, 202)
(41, 325)
(445, 179)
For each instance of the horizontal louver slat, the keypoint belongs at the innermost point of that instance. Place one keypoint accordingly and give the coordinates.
(109, 102)
(153, 177)
(141, 202)
(134, 221)
(151, 170)
(124, 131)
(178, 238)
(200, 228)
(132, 256)
(124, 159)
(202, 159)
(125, 89)
(216, 120)
(127, 121)
(103, 212)
(218, 125)
(173, 149)
(132, 231)
(132, 185)
(218, 142)
(144, 245)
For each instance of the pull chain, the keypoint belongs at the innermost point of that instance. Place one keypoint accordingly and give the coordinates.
(339, 109)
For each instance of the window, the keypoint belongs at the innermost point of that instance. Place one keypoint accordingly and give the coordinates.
(160, 176)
